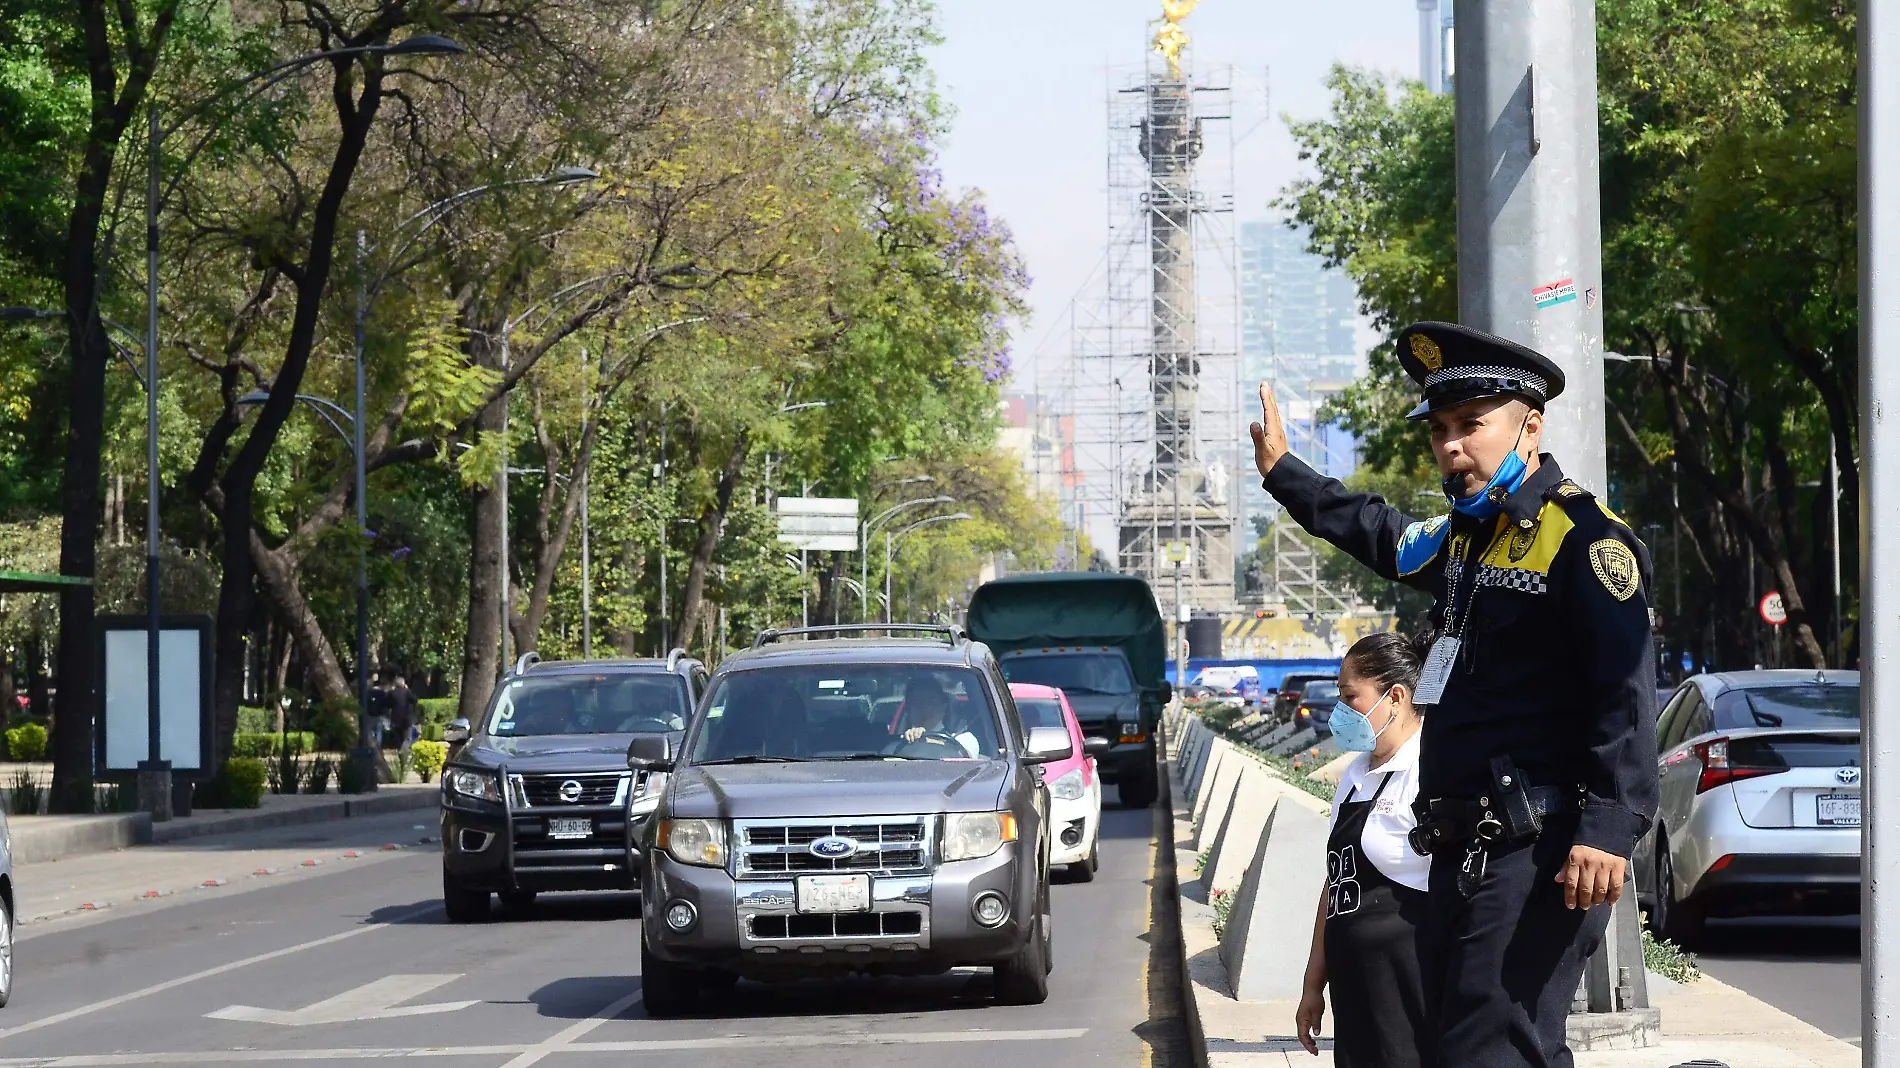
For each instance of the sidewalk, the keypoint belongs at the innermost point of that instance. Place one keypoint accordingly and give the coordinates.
(1705, 1019)
(37, 839)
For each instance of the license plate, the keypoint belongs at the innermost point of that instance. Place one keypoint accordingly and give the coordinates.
(834, 893)
(1837, 810)
(570, 828)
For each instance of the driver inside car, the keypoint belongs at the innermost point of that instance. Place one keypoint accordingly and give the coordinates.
(925, 707)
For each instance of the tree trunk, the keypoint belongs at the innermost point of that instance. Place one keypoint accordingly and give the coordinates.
(553, 545)
(481, 648)
(277, 581)
(712, 522)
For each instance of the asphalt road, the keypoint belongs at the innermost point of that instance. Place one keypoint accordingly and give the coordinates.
(1808, 967)
(358, 962)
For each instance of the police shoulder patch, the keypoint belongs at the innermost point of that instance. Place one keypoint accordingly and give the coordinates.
(1420, 542)
(1615, 566)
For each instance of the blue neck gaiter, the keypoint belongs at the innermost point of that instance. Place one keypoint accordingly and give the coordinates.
(1489, 501)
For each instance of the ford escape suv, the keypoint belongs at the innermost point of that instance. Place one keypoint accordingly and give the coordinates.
(856, 804)
(539, 797)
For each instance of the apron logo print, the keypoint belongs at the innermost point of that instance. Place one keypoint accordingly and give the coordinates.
(1342, 873)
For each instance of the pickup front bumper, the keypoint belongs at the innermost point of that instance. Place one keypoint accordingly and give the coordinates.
(480, 852)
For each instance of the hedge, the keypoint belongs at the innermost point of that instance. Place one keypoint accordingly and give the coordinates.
(266, 744)
(436, 709)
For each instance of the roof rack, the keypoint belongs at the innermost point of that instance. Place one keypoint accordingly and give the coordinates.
(953, 634)
(527, 660)
(673, 658)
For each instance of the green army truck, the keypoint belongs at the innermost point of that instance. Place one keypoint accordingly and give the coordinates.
(1100, 639)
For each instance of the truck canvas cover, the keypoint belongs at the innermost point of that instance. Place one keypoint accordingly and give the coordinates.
(1073, 608)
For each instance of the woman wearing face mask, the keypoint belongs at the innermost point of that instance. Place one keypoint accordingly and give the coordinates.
(1365, 947)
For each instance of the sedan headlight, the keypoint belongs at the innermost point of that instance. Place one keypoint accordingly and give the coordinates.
(477, 784)
(1069, 787)
(970, 835)
(700, 842)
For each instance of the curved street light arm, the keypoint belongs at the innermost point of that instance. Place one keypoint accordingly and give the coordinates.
(953, 518)
(440, 210)
(329, 411)
(889, 512)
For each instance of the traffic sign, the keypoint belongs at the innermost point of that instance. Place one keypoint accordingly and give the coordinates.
(1772, 610)
(1177, 552)
(819, 523)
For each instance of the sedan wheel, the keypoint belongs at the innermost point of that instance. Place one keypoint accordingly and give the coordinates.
(6, 952)
(1680, 922)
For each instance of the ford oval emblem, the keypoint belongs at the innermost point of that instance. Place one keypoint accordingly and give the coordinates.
(571, 791)
(1847, 776)
(834, 847)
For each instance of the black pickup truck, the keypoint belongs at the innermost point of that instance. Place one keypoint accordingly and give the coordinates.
(538, 796)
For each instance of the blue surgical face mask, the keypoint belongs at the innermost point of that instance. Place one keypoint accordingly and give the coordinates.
(1352, 729)
(1508, 477)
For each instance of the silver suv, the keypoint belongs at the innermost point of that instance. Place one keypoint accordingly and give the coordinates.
(864, 804)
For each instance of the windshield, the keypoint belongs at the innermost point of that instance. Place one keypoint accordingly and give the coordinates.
(1811, 706)
(1320, 691)
(590, 704)
(1074, 672)
(866, 712)
(1041, 712)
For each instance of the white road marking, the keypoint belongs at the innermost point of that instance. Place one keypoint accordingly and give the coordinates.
(566, 1036)
(377, 1000)
(657, 1045)
(169, 984)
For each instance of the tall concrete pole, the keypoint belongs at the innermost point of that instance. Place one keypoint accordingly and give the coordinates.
(1880, 488)
(1530, 258)
(1428, 42)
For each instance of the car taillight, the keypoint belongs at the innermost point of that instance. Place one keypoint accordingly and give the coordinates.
(1716, 768)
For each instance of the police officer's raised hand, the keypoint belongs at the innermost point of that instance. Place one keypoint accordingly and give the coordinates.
(1269, 434)
(1591, 877)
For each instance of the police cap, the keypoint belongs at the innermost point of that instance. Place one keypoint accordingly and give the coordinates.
(1453, 364)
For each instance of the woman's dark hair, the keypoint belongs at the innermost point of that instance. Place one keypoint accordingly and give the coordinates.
(1390, 658)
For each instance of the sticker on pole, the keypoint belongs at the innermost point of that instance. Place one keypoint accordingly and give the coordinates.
(1772, 610)
(1559, 292)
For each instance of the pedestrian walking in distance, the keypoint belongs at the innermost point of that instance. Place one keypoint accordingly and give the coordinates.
(1374, 905)
(1537, 769)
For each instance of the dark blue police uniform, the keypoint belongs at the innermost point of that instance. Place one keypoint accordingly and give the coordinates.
(1546, 722)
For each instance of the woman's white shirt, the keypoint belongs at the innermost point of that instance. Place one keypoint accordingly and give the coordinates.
(1383, 840)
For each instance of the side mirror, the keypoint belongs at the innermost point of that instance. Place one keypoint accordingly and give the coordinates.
(1166, 692)
(1048, 745)
(455, 731)
(1097, 747)
(650, 752)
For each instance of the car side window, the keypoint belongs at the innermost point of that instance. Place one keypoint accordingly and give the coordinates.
(1012, 716)
(1691, 719)
(699, 683)
(1667, 720)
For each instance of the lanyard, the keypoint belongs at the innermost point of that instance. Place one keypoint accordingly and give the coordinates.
(1455, 619)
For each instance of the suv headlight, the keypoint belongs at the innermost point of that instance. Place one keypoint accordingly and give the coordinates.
(477, 784)
(1069, 787)
(971, 835)
(700, 842)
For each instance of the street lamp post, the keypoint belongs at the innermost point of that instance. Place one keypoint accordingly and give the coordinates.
(890, 544)
(864, 541)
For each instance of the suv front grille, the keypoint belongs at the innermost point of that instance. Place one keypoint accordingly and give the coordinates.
(774, 848)
(596, 789)
(838, 925)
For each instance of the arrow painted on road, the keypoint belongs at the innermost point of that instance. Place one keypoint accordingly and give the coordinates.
(379, 1000)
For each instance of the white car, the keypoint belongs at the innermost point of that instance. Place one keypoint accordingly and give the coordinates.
(1760, 805)
(1075, 789)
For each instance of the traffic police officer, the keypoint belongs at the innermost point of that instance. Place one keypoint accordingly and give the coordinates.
(1537, 761)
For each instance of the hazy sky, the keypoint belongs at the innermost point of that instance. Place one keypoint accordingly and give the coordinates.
(1029, 80)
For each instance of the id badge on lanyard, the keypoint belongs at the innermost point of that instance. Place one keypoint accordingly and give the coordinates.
(1436, 672)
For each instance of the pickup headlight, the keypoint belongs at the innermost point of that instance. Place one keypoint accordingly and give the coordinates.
(1069, 787)
(700, 842)
(971, 835)
(477, 784)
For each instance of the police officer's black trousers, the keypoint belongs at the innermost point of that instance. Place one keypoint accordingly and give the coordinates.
(1501, 969)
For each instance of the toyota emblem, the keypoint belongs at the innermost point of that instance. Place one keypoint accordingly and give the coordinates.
(571, 791)
(1847, 776)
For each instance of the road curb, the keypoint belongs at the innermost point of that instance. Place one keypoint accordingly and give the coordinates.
(379, 804)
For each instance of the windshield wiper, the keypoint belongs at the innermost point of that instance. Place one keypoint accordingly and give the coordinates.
(751, 758)
(870, 756)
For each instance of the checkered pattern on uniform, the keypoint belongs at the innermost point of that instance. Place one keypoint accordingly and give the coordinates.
(1512, 578)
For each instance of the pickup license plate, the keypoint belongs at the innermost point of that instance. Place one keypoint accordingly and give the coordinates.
(570, 828)
(1837, 810)
(834, 893)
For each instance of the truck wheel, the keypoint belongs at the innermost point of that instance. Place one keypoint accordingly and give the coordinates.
(666, 988)
(463, 904)
(1024, 978)
(1140, 791)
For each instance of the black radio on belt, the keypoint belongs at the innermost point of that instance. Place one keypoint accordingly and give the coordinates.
(1510, 814)
(1520, 820)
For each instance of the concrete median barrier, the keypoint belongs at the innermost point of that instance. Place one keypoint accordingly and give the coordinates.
(1270, 927)
(1233, 848)
(1199, 776)
(1220, 796)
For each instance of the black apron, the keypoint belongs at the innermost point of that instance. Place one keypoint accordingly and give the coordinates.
(1372, 959)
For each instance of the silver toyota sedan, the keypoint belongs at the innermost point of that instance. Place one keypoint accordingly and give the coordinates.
(1760, 806)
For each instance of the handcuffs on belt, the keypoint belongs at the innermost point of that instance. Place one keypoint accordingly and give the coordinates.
(1516, 819)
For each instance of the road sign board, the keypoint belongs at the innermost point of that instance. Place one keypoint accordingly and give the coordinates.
(819, 524)
(818, 506)
(1177, 552)
(1772, 610)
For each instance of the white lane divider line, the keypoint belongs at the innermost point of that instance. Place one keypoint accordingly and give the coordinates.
(566, 1036)
(220, 969)
(379, 999)
(857, 1039)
